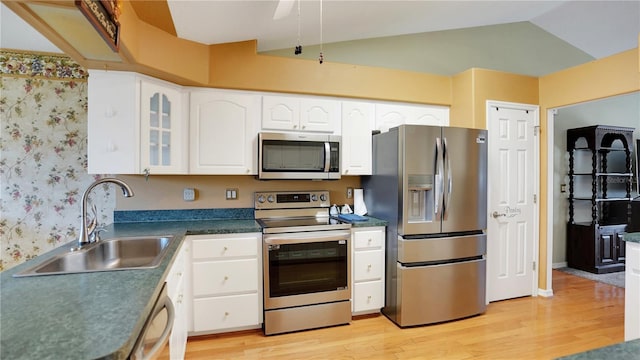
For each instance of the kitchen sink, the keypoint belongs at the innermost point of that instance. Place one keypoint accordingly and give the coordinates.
(128, 253)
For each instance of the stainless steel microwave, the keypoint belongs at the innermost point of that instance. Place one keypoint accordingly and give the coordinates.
(298, 156)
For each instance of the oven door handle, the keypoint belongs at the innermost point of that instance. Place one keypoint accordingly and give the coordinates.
(308, 237)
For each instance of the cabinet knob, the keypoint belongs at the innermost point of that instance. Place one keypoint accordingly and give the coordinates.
(226, 278)
(295, 126)
(226, 313)
(368, 267)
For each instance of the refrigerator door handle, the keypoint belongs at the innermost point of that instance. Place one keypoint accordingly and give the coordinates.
(439, 191)
(449, 178)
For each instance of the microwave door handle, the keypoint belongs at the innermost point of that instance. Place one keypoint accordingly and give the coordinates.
(327, 156)
(162, 340)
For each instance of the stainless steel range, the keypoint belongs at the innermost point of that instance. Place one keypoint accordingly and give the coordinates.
(307, 262)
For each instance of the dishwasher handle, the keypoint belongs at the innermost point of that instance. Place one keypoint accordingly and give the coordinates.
(138, 352)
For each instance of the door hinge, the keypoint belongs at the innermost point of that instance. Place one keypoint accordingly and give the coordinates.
(535, 198)
(536, 129)
(534, 266)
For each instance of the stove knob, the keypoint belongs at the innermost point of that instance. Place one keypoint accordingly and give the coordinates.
(261, 199)
(323, 197)
(271, 198)
(314, 197)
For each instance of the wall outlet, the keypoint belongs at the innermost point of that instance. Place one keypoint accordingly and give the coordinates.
(189, 194)
(231, 194)
(349, 193)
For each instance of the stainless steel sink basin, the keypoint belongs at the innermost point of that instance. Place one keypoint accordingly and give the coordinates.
(106, 255)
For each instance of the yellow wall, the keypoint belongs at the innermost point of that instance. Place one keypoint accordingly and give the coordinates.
(472, 89)
(615, 75)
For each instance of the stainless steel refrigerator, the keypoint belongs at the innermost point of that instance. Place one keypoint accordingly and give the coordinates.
(430, 184)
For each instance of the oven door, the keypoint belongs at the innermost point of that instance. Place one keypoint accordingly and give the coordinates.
(306, 268)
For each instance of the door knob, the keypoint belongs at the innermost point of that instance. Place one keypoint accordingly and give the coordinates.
(497, 215)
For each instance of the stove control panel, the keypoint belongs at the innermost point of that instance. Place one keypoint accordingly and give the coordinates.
(292, 199)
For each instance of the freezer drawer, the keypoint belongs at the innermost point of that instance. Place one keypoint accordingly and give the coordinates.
(440, 249)
(437, 293)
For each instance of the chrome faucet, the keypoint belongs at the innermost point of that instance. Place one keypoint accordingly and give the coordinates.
(88, 232)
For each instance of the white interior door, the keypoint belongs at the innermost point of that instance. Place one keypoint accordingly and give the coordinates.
(512, 208)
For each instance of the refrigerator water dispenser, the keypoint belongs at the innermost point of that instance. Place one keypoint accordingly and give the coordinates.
(420, 198)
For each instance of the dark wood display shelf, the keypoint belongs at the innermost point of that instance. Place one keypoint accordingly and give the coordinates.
(597, 246)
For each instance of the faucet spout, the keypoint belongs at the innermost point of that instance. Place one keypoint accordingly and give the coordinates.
(85, 233)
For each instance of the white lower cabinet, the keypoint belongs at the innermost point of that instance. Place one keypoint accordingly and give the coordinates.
(367, 270)
(632, 292)
(226, 279)
(176, 289)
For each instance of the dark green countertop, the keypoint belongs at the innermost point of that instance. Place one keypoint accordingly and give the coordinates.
(91, 315)
(370, 222)
(632, 237)
(94, 315)
(622, 351)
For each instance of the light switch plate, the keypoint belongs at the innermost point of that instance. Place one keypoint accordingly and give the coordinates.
(231, 194)
(189, 194)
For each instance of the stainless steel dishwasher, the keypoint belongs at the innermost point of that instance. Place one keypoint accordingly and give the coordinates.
(155, 334)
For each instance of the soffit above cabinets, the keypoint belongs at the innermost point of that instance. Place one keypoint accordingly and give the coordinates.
(72, 26)
(62, 23)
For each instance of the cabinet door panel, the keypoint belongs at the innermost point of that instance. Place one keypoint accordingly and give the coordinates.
(280, 113)
(367, 265)
(368, 296)
(224, 248)
(226, 312)
(113, 124)
(162, 129)
(320, 115)
(224, 277)
(368, 239)
(357, 123)
(224, 133)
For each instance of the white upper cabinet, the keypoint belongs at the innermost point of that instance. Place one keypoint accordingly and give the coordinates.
(224, 130)
(136, 125)
(357, 123)
(301, 114)
(391, 115)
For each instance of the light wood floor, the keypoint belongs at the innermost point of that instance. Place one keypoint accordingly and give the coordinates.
(582, 315)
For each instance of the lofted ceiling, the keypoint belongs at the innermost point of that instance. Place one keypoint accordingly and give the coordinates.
(528, 37)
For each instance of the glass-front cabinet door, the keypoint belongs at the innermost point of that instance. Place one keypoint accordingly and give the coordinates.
(161, 130)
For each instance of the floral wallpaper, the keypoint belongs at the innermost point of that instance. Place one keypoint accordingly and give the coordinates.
(43, 155)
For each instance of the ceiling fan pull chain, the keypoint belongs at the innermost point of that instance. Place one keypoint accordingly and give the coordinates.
(298, 50)
(321, 57)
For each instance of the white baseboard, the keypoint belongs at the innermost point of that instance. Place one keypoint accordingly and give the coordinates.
(545, 293)
(559, 265)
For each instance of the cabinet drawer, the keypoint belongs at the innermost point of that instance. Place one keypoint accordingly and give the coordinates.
(367, 265)
(225, 277)
(226, 312)
(223, 248)
(368, 296)
(368, 239)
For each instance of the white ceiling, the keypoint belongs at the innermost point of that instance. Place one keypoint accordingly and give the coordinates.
(598, 28)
